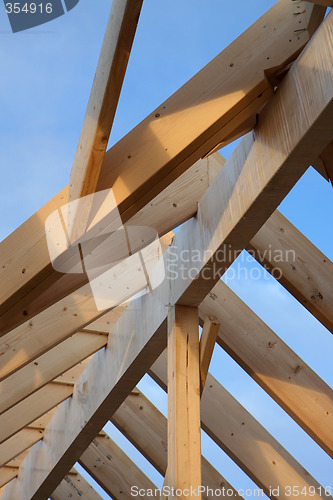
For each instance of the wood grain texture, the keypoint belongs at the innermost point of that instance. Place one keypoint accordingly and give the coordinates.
(209, 333)
(142, 423)
(114, 471)
(179, 132)
(47, 367)
(75, 487)
(272, 364)
(254, 180)
(184, 436)
(177, 203)
(265, 461)
(104, 96)
(297, 264)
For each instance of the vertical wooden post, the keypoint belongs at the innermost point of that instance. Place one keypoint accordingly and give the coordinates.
(184, 443)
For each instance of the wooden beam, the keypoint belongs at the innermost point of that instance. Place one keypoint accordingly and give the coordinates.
(253, 449)
(325, 3)
(31, 411)
(177, 203)
(51, 327)
(248, 189)
(142, 423)
(18, 443)
(272, 364)
(184, 435)
(7, 474)
(75, 487)
(114, 471)
(31, 408)
(183, 129)
(52, 364)
(209, 333)
(104, 96)
(297, 264)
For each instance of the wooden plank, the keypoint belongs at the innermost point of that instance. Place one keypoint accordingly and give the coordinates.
(297, 264)
(271, 363)
(245, 193)
(253, 449)
(184, 128)
(142, 423)
(18, 443)
(114, 471)
(75, 487)
(7, 474)
(17, 461)
(209, 333)
(177, 203)
(184, 433)
(31, 411)
(28, 410)
(47, 367)
(51, 327)
(104, 96)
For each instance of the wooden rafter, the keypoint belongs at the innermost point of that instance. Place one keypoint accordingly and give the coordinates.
(254, 204)
(140, 421)
(271, 363)
(265, 461)
(75, 487)
(115, 472)
(33, 376)
(167, 210)
(179, 132)
(298, 265)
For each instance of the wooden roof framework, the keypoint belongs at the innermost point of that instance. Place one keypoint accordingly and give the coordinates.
(66, 369)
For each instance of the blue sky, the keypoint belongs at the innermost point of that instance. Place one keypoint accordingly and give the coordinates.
(46, 76)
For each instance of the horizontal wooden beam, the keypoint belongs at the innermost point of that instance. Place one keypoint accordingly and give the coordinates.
(248, 189)
(179, 132)
(253, 449)
(297, 264)
(271, 363)
(114, 471)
